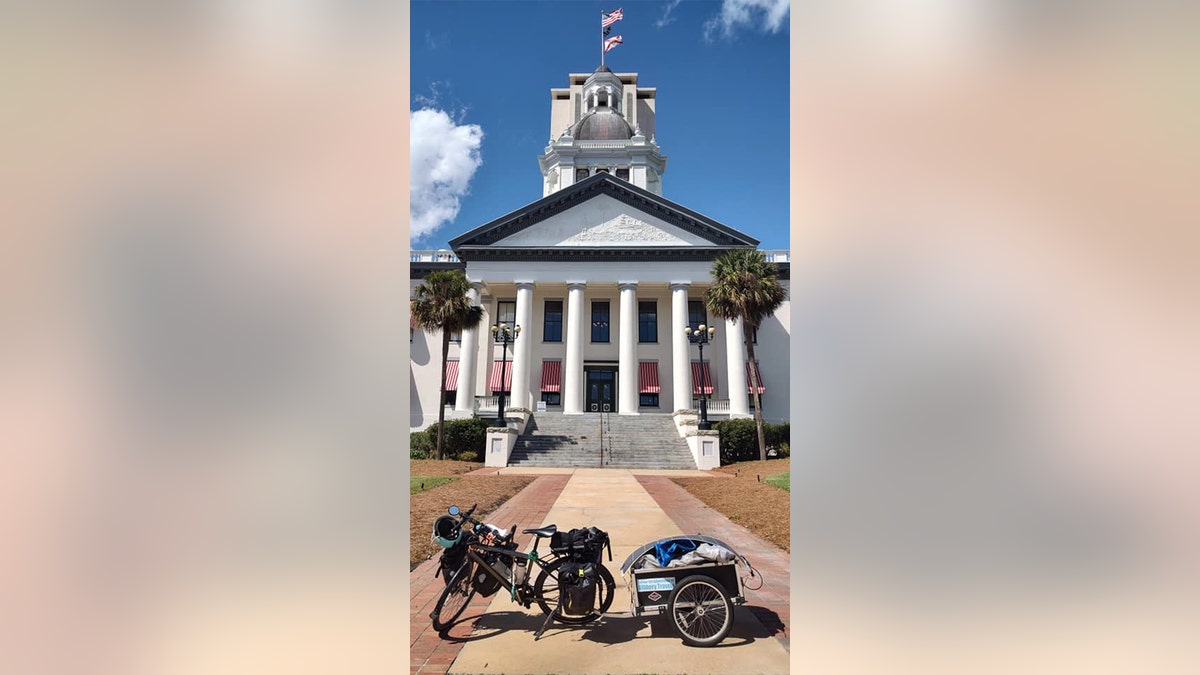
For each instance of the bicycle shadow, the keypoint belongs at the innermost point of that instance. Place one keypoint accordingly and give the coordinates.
(491, 624)
(612, 629)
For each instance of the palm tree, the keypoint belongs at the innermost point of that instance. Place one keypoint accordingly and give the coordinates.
(746, 286)
(441, 304)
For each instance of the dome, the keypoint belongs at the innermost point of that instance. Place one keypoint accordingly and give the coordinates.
(602, 124)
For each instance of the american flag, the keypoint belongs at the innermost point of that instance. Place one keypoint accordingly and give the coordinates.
(608, 19)
(611, 42)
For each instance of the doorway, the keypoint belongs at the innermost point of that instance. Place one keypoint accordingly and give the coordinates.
(600, 388)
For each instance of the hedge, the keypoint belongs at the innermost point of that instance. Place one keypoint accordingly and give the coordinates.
(460, 436)
(739, 439)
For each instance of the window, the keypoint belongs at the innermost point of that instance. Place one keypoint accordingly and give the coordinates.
(648, 400)
(697, 314)
(456, 336)
(552, 397)
(754, 336)
(506, 312)
(647, 321)
(623, 173)
(552, 325)
(580, 174)
(599, 321)
(451, 397)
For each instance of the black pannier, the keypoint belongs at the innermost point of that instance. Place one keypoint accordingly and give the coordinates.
(452, 559)
(485, 584)
(581, 544)
(577, 587)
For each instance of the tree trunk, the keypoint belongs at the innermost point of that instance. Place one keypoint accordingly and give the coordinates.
(758, 421)
(442, 393)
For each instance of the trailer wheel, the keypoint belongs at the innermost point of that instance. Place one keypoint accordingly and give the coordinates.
(700, 610)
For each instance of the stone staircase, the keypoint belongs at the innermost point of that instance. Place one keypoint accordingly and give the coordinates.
(630, 442)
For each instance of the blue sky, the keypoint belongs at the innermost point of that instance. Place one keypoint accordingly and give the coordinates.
(482, 71)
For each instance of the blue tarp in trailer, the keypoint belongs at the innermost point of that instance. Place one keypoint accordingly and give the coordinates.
(694, 539)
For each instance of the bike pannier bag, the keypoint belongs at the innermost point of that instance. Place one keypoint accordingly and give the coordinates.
(577, 584)
(581, 544)
(452, 559)
(485, 584)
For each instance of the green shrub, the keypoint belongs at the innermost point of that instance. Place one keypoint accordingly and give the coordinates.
(419, 445)
(784, 450)
(739, 439)
(459, 436)
(468, 456)
(777, 435)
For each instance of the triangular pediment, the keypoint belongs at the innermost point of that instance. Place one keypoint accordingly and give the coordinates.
(602, 213)
(602, 222)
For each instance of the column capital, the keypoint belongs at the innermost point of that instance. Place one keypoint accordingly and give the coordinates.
(572, 285)
(622, 285)
(524, 285)
(680, 285)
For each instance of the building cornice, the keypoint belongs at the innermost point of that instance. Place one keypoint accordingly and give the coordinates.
(592, 254)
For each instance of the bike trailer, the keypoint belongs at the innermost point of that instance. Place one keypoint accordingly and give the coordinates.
(651, 587)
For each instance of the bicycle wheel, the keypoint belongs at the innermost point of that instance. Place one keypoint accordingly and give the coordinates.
(454, 599)
(701, 611)
(546, 592)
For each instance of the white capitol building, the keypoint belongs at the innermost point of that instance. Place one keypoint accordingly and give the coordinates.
(603, 275)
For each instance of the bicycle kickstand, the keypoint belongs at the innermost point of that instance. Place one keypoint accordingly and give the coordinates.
(546, 623)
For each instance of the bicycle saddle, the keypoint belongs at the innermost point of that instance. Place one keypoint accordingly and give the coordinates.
(546, 531)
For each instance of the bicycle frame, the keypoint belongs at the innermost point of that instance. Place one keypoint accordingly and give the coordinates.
(474, 555)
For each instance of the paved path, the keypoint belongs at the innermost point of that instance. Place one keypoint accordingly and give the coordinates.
(495, 635)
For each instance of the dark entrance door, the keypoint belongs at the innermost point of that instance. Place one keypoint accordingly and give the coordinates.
(600, 390)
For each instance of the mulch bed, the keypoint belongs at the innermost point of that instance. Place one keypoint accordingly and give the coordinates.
(759, 507)
(487, 491)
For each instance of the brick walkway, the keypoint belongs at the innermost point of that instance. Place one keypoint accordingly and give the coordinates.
(770, 603)
(431, 654)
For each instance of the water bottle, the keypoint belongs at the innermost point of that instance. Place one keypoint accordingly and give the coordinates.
(519, 571)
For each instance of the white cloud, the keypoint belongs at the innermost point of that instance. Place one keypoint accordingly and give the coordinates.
(666, 18)
(443, 158)
(767, 15)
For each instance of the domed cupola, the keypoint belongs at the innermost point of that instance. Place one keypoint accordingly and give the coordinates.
(602, 124)
(597, 127)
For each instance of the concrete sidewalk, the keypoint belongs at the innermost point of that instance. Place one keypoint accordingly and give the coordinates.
(495, 635)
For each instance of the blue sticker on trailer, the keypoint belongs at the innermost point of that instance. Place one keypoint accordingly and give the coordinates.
(655, 584)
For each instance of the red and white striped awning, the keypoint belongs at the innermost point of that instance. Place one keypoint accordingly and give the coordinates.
(452, 376)
(551, 376)
(648, 377)
(701, 375)
(494, 383)
(750, 378)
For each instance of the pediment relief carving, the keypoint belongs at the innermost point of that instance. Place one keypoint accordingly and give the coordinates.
(624, 229)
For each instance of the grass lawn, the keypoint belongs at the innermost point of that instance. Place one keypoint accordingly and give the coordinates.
(418, 483)
(781, 480)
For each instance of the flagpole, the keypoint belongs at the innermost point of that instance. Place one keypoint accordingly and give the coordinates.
(602, 37)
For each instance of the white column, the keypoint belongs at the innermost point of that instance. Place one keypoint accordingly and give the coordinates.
(572, 383)
(735, 363)
(523, 348)
(466, 362)
(627, 401)
(681, 362)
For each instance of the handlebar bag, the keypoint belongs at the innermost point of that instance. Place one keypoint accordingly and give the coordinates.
(577, 588)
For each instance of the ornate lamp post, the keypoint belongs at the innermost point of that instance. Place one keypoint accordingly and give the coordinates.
(504, 335)
(701, 336)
